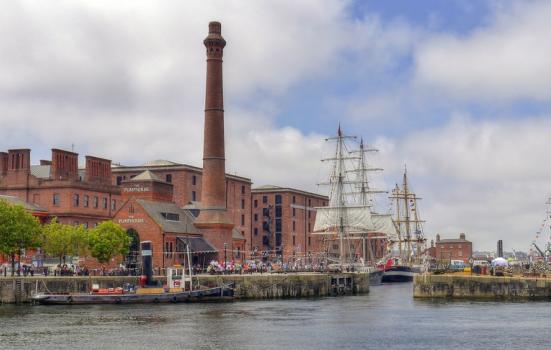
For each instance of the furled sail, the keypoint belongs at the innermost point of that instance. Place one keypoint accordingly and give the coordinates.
(355, 219)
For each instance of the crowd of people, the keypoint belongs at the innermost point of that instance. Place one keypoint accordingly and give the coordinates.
(256, 266)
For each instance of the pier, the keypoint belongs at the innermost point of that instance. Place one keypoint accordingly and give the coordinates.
(454, 286)
(254, 286)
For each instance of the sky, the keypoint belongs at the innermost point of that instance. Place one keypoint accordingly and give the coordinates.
(459, 91)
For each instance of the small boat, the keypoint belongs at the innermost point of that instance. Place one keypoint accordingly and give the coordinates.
(224, 293)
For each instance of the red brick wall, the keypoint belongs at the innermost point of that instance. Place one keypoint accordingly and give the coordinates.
(453, 251)
(298, 241)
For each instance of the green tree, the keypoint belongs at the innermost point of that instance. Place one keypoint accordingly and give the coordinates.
(108, 240)
(61, 240)
(18, 230)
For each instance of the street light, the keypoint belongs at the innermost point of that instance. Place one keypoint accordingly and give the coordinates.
(225, 258)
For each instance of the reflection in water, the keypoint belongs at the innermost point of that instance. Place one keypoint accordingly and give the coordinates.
(387, 318)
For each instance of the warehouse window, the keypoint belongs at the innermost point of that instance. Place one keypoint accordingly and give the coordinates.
(168, 178)
(56, 199)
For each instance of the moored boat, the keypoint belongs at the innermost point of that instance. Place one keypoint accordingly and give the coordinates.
(223, 293)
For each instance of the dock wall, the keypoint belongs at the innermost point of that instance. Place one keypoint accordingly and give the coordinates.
(257, 286)
(480, 287)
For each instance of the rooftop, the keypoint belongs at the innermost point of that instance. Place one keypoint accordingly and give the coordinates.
(273, 188)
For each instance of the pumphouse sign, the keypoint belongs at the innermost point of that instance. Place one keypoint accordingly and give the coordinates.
(136, 189)
(130, 220)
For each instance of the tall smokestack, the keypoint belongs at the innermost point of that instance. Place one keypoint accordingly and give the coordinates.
(213, 217)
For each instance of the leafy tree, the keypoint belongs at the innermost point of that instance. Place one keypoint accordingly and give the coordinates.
(18, 230)
(62, 240)
(108, 240)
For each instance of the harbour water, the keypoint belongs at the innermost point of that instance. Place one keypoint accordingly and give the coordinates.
(387, 318)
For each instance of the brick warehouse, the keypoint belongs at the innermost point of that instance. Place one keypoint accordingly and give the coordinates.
(76, 196)
(283, 219)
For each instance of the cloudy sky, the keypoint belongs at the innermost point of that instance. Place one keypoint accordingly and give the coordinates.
(459, 90)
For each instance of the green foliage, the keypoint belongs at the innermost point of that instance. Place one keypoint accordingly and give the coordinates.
(18, 229)
(62, 240)
(108, 240)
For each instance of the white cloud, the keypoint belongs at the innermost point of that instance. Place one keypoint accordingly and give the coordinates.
(506, 59)
(487, 179)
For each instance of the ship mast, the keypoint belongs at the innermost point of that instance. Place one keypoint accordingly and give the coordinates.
(337, 182)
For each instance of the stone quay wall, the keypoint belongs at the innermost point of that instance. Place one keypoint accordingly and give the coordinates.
(480, 287)
(256, 286)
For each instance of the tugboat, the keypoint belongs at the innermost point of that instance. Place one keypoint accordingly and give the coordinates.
(179, 289)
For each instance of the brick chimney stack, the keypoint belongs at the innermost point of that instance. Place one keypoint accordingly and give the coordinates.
(64, 165)
(3, 163)
(214, 218)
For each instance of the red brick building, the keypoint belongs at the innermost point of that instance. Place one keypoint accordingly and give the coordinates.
(187, 188)
(76, 196)
(282, 223)
(149, 214)
(453, 249)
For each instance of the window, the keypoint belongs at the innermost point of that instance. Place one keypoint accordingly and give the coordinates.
(105, 203)
(85, 225)
(309, 241)
(256, 203)
(264, 199)
(294, 240)
(278, 225)
(131, 209)
(242, 189)
(113, 204)
(278, 199)
(309, 214)
(242, 220)
(76, 200)
(255, 217)
(294, 212)
(238, 252)
(85, 200)
(56, 199)
(119, 180)
(171, 216)
(309, 202)
(308, 227)
(168, 178)
(278, 212)
(294, 199)
(255, 231)
(265, 212)
(194, 180)
(193, 196)
(242, 204)
(96, 201)
(294, 225)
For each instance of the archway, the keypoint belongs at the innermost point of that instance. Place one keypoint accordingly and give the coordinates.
(132, 259)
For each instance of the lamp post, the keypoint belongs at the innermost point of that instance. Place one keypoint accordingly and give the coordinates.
(225, 258)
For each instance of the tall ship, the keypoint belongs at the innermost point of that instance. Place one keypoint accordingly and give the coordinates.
(351, 226)
(406, 252)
